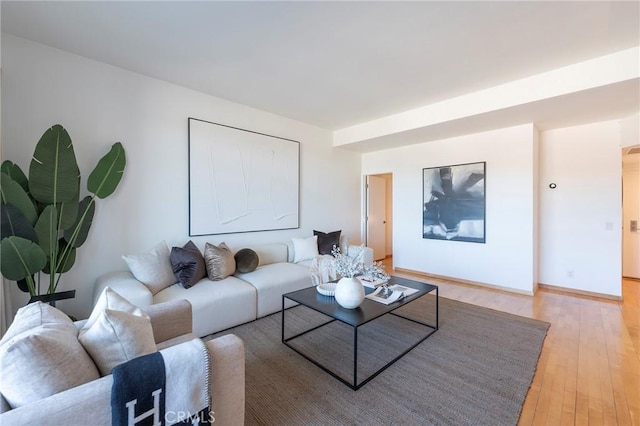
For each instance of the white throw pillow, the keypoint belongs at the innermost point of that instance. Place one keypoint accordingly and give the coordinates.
(153, 269)
(116, 337)
(109, 299)
(305, 248)
(41, 362)
(34, 315)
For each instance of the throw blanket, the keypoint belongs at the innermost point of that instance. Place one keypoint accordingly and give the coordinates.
(323, 269)
(138, 392)
(164, 388)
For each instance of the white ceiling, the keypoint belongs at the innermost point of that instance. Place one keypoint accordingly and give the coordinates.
(332, 64)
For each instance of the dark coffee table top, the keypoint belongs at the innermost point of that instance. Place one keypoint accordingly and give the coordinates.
(367, 311)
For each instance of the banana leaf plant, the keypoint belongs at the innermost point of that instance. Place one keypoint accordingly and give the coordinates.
(44, 220)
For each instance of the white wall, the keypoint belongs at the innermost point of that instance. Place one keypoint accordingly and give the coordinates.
(507, 259)
(99, 104)
(580, 220)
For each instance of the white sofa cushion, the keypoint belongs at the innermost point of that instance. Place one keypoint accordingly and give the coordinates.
(272, 281)
(41, 362)
(110, 299)
(153, 268)
(116, 331)
(305, 248)
(34, 315)
(117, 337)
(216, 305)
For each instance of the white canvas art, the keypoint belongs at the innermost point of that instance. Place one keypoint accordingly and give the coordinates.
(241, 181)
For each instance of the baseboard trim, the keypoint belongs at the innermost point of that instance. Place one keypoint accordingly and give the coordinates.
(580, 292)
(468, 282)
(536, 286)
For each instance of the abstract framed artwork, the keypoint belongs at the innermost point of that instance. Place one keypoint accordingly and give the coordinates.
(240, 180)
(453, 202)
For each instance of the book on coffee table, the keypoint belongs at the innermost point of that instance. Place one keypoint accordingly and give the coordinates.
(372, 283)
(390, 294)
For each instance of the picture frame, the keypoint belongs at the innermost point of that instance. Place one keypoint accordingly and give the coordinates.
(241, 180)
(454, 202)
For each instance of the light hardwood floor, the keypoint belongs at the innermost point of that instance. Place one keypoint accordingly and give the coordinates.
(589, 369)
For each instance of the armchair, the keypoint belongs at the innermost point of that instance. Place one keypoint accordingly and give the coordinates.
(172, 325)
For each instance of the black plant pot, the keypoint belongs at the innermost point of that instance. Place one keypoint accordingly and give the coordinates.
(53, 297)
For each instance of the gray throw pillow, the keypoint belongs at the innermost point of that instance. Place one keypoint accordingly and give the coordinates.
(326, 242)
(246, 260)
(219, 261)
(188, 264)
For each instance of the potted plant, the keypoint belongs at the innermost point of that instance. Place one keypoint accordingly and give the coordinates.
(44, 220)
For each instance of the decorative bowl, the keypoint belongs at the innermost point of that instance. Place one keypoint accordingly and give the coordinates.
(327, 289)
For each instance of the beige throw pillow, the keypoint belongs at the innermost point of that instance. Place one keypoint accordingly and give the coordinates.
(153, 269)
(34, 315)
(116, 337)
(110, 299)
(41, 362)
(219, 260)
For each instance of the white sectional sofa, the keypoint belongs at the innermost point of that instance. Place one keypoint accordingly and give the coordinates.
(218, 305)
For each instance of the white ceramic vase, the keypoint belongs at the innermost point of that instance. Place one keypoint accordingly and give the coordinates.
(349, 293)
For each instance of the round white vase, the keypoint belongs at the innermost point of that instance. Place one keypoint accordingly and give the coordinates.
(349, 293)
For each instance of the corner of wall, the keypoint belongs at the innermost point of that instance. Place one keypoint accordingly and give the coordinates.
(630, 131)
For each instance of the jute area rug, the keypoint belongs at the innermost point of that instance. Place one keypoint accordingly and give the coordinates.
(475, 370)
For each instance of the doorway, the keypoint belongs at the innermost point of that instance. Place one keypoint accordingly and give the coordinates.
(631, 212)
(379, 214)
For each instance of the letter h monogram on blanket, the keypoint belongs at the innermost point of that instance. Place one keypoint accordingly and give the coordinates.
(138, 392)
(163, 388)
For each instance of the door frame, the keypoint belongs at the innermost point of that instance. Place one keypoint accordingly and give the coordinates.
(364, 209)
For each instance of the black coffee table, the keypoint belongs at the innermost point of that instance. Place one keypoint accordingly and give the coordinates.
(355, 318)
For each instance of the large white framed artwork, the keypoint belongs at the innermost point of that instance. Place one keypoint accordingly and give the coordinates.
(240, 180)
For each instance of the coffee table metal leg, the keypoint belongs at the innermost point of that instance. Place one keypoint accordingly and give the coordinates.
(437, 308)
(282, 327)
(355, 357)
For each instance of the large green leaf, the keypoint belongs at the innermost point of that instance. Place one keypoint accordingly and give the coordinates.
(14, 223)
(23, 284)
(15, 172)
(12, 193)
(67, 214)
(107, 174)
(21, 258)
(47, 231)
(54, 176)
(77, 234)
(66, 260)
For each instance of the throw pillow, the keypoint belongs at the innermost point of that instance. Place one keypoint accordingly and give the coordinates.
(219, 260)
(109, 299)
(116, 337)
(326, 242)
(34, 315)
(246, 260)
(187, 264)
(153, 269)
(305, 248)
(41, 362)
